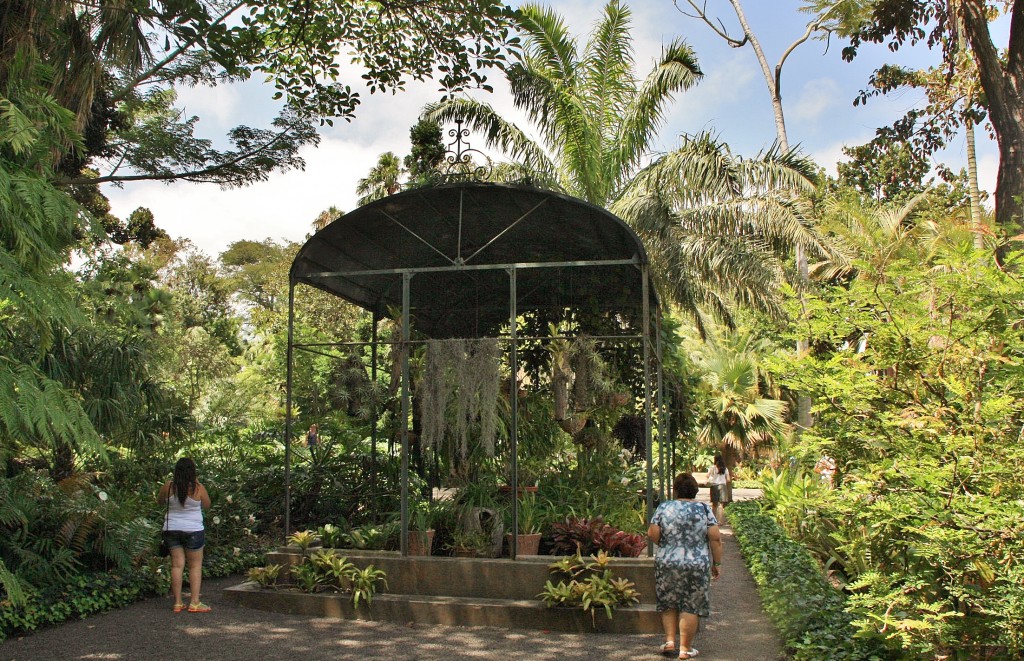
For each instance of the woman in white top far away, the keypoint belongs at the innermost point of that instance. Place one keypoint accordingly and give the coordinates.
(718, 478)
(184, 499)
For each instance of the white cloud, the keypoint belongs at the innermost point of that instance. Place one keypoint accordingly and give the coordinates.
(816, 97)
(829, 155)
(217, 106)
(728, 87)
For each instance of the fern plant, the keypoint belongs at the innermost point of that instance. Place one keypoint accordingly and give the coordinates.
(40, 223)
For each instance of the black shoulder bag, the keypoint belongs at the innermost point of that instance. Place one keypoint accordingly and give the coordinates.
(165, 550)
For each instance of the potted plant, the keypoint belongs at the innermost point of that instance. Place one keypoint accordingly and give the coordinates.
(470, 544)
(528, 532)
(421, 532)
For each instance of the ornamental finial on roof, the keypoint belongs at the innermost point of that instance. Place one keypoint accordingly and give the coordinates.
(460, 161)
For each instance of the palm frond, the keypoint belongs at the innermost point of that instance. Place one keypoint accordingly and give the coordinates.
(676, 70)
(548, 39)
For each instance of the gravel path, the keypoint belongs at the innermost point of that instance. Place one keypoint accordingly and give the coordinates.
(737, 631)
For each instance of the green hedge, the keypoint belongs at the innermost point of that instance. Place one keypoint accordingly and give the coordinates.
(84, 594)
(809, 613)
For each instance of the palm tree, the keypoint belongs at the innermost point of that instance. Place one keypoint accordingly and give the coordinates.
(384, 179)
(326, 217)
(736, 417)
(79, 41)
(714, 224)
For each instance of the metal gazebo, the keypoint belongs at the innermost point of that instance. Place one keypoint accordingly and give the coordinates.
(464, 260)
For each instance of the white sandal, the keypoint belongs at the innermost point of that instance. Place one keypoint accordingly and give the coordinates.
(690, 653)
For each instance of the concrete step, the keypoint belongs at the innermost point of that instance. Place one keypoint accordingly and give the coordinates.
(484, 578)
(448, 610)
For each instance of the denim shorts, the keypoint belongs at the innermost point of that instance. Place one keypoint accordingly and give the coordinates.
(192, 541)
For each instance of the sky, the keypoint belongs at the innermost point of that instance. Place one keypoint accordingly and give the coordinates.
(731, 102)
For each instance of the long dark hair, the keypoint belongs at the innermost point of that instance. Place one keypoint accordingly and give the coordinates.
(719, 463)
(184, 481)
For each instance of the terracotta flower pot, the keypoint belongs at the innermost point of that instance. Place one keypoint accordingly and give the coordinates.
(526, 544)
(421, 542)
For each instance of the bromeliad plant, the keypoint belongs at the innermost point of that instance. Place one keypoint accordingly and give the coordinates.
(333, 536)
(265, 577)
(303, 539)
(589, 536)
(327, 571)
(589, 585)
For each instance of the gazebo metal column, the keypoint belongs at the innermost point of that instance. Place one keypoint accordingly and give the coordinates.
(288, 412)
(513, 397)
(406, 278)
(645, 323)
(663, 429)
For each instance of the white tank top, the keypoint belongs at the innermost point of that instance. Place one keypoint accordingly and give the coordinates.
(187, 518)
(714, 477)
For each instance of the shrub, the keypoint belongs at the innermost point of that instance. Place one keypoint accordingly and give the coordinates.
(809, 612)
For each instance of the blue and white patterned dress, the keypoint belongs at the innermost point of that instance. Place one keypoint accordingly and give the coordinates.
(682, 563)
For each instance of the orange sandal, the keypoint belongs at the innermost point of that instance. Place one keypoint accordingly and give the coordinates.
(199, 608)
(179, 607)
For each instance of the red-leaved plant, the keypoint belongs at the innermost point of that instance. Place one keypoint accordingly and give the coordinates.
(589, 536)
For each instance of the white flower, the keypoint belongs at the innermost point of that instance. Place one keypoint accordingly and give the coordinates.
(216, 520)
(235, 517)
(237, 551)
(252, 518)
(246, 531)
(625, 481)
(102, 496)
(228, 498)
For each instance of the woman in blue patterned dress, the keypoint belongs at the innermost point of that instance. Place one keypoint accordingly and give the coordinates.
(688, 556)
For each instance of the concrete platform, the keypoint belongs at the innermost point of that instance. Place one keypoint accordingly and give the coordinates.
(461, 591)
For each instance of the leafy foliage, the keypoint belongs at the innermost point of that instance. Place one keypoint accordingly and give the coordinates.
(129, 62)
(589, 585)
(807, 609)
(918, 385)
(591, 536)
(265, 576)
(325, 570)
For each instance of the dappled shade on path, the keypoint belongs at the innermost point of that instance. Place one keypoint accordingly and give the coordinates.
(737, 631)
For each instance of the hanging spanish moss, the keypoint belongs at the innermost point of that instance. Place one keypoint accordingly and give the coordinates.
(435, 390)
(486, 367)
(462, 378)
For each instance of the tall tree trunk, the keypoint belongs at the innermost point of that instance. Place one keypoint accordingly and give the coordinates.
(1004, 88)
(974, 190)
(773, 80)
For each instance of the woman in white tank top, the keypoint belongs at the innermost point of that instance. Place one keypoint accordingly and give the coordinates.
(184, 499)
